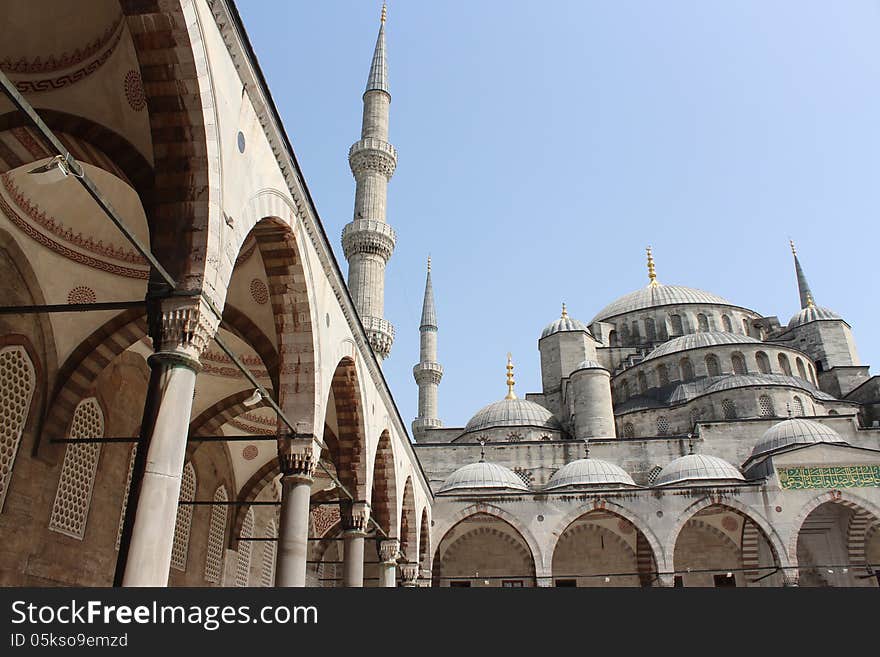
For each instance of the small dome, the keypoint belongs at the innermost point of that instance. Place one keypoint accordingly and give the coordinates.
(589, 472)
(811, 314)
(697, 340)
(795, 431)
(697, 467)
(512, 413)
(754, 380)
(658, 295)
(563, 324)
(483, 475)
(589, 364)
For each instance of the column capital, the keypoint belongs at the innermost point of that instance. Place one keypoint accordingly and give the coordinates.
(666, 580)
(791, 576)
(182, 325)
(297, 457)
(354, 515)
(409, 573)
(389, 550)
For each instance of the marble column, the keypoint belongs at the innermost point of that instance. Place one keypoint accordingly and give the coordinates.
(409, 573)
(297, 459)
(354, 526)
(181, 328)
(389, 550)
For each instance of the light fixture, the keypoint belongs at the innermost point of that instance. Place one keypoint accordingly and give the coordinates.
(607, 579)
(55, 170)
(253, 400)
(730, 574)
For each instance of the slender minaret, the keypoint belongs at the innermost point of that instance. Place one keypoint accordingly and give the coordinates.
(368, 241)
(427, 372)
(803, 287)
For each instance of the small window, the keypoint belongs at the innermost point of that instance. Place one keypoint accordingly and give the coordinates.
(763, 362)
(728, 407)
(765, 406)
(738, 363)
(800, 368)
(713, 367)
(662, 426)
(511, 583)
(798, 407)
(675, 323)
(663, 375)
(687, 369)
(784, 365)
(612, 338)
(702, 323)
(678, 582)
(833, 412)
(624, 390)
(726, 324)
(643, 383)
(745, 326)
(561, 583)
(629, 430)
(653, 474)
(624, 335)
(636, 337)
(650, 330)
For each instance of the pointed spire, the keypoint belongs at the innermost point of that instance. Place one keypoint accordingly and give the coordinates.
(429, 315)
(803, 287)
(652, 274)
(378, 80)
(564, 311)
(510, 382)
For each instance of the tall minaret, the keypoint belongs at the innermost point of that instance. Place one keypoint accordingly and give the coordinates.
(803, 287)
(368, 241)
(427, 372)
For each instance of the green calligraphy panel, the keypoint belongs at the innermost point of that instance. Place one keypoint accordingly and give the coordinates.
(840, 476)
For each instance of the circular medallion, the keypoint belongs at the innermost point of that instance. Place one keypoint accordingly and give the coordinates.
(134, 91)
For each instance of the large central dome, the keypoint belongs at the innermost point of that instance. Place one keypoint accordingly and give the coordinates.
(512, 413)
(657, 294)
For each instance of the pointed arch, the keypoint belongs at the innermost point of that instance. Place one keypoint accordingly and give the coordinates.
(424, 542)
(844, 498)
(348, 446)
(409, 537)
(383, 497)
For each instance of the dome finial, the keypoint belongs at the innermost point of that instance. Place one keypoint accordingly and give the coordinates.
(564, 311)
(810, 302)
(482, 449)
(384, 12)
(652, 274)
(586, 448)
(510, 382)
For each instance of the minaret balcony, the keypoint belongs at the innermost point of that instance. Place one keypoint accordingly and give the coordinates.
(380, 333)
(372, 154)
(368, 236)
(428, 373)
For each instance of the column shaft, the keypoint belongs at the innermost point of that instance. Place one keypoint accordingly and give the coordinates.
(293, 536)
(353, 558)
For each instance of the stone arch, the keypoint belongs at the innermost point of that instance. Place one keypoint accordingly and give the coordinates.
(409, 537)
(777, 546)
(383, 497)
(844, 498)
(238, 323)
(348, 446)
(492, 510)
(210, 420)
(656, 550)
(425, 541)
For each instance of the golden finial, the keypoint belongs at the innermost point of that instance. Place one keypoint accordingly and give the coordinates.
(810, 302)
(384, 12)
(652, 274)
(793, 250)
(564, 311)
(510, 382)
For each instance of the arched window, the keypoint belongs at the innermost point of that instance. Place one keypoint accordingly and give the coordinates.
(833, 412)
(180, 546)
(643, 383)
(624, 334)
(763, 362)
(131, 456)
(650, 330)
(713, 367)
(800, 368)
(675, 323)
(702, 323)
(636, 334)
(812, 373)
(624, 390)
(74, 495)
(662, 426)
(663, 375)
(612, 338)
(686, 368)
(629, 431)
(784, 365)
(745, 325)
(243, 564)
(726, 324)
(270, 548)
(17, 383)
(216, 537)
(765, 406)
(728, 407)
(738, 363)
(819, 367)
(798, 407)
(695, 416)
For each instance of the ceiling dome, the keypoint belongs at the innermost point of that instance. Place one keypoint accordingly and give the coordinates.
(811, 314)
(483, 475)
(698, 467)
(563, 324)
(589, 472)
(795, 431)
(702, 339)
(657, 294)
(512, 413)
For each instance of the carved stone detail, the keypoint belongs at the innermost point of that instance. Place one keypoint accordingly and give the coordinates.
(389, 550)
(409, 573)
(355, 516)
(296, 456)
(183, 325)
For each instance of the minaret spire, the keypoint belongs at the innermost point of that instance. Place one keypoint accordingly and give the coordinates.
(427, 372)
(368, 241)
(652, 273)
(803, 287)
(510, 382)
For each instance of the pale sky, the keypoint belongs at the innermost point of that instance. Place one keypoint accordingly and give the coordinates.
(543, 145)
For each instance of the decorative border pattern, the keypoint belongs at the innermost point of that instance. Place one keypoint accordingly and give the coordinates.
(846, 476)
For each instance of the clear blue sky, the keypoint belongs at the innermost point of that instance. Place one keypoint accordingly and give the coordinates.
(544, 144)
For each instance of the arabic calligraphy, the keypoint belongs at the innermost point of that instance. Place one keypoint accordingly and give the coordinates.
(844, 476)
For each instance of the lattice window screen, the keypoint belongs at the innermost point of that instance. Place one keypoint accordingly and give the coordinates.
(728, 407)
(798, 407)
(180, 546)
(243, 566)
(216, 537)
(662, 425)
(270, 550)
(765, 406)
(74, 495)
(629, 430)
(17, 382)
(125, 494)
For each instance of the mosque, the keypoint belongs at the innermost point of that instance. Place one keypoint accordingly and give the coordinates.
(192, 393)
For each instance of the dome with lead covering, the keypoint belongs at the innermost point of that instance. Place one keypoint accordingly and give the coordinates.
(563, 324)
(697, 340)
(698, 468)
(589, 364)
(795, 431)
(811, 314)
(589, 472)
(483, 475)
(512, 413)
(658, 294)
